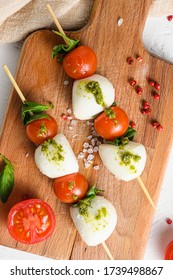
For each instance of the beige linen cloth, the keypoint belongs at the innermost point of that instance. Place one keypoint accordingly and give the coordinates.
(19, 18)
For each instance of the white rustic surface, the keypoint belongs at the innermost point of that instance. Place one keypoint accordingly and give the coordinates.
(158, 38)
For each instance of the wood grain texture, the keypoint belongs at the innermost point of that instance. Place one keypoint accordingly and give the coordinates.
(41, 80)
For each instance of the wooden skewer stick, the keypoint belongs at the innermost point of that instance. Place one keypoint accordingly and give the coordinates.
(107, 251)
(57, 23)
(146, 192)
(22, 97)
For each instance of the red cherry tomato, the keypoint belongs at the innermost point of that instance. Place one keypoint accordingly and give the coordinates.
(169, 252)
(31, 221)
(111, 123)
(80, 62)
(40, 130)
(70, 188)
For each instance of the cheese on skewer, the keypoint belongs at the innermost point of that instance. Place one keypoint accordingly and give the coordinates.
(91, 96)
(55, 157)
(125, 163)
(97, 223)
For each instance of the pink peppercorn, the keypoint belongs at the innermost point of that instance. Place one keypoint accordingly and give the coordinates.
(139, 59)
(130, 60)
(64, 117)
(159, 127)
(156, 96)
(155, 124)
(133, 83)
(169, 18)
(146, 105)
(169, 221)
(157, 86)
(132, 124)
(139, 90)
(151, 83)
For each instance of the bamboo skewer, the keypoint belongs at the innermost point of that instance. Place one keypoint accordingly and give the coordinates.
(107, 251)
(146, 192)
(22, 97)
(57, 23)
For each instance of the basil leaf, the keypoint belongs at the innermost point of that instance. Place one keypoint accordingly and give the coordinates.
(37, 117)
(63, 49)
(124, 139)
(6, 180)
(31, 111)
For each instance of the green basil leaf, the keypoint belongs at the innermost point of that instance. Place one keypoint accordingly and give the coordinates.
(114, 103)
(124, 139)
(63, 49)
(37, 117)
(29, 109)
(6, 179)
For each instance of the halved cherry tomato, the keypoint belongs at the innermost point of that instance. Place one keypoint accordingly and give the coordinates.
(169, 252)
(111, 123)
(80, 62)
(42, 129)
(31, 221)
(70, 188)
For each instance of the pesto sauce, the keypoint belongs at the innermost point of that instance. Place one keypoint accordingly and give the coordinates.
(54, 154)
(101, 213)
(110, 113)
(42, 132)
(94, 88)
(127, 159)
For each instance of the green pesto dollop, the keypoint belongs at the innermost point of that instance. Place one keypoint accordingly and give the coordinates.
(110, 113)
(127, 158)
(94, 88)
(42, 132)
(55, 153)
(101, 213)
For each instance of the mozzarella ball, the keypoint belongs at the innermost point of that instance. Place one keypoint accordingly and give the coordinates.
(91, 96)
(55, 157)
(99, 222)
(127, 163)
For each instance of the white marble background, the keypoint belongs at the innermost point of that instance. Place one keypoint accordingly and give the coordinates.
(158, 39)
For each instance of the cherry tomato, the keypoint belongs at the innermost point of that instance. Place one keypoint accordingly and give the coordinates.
(31, 221)
(80, 62)
(111, 123)
(40, 130)
(70, 188)
(169, 252)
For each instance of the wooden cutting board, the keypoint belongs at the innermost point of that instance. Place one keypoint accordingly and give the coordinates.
(42, 79)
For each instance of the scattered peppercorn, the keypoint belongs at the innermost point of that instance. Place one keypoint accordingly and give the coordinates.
(130, 60)
(139, 59)
(133, 83)
(156, 96)
(170, 17)
(139, 90)
(157, 86)
(155, 124)
(159, 127)
(151, 83)
(146, 105)
(169, 221)
(132, 124)
(64, 117)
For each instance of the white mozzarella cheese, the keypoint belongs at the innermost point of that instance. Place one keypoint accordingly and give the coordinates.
(126, 164)
(55, 157)
(84, 103)
(99, 222)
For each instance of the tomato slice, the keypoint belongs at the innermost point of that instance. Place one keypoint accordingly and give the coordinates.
(80, 62)
(70, 188)
(31, 221)
(111, 123)
(169, 252)
(40, 130)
